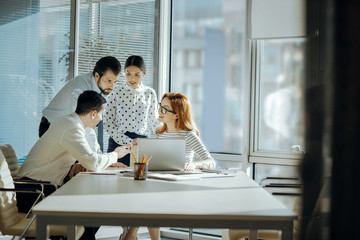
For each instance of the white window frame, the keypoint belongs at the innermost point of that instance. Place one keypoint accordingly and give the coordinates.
(164, 47)
(250, 150)
(256, 154)
(166, 16)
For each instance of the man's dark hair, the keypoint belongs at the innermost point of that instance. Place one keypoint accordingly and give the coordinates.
(89, 100)
(106, 63)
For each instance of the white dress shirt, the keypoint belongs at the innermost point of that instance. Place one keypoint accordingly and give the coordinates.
(131, 110)
(53, 154)
(65, 100)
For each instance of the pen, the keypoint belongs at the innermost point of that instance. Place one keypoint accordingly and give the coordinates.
(143, 159)
(134, 157)
(149, 159)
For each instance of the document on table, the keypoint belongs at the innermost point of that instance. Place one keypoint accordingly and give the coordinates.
(109, 171)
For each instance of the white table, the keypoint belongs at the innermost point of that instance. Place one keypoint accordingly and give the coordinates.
(229, 202)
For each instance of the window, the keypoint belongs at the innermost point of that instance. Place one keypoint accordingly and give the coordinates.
(34, 39)
(279, 100)
(35, 63)
(210, 64)
(207, 66)
(120, 29)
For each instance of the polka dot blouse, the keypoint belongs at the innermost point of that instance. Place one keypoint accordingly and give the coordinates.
(131, 110)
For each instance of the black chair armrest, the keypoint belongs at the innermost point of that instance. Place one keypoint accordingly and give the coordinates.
(31, 181)
(38, 182)
(278, 178)
(26, 190)
(284, 185)
(286, 194)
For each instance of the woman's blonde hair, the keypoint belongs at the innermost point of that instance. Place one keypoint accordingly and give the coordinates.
(181, 105)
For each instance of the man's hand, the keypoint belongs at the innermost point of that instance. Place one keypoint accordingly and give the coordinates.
(76, 168)
(118, 165)
(123, 150)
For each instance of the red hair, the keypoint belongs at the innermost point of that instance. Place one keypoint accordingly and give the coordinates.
(181, 105)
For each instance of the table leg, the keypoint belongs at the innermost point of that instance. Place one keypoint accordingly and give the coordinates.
(42, 229)
(287, 233)
(253, 234)
(71, 232)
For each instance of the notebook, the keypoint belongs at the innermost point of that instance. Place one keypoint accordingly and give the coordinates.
(167, 153)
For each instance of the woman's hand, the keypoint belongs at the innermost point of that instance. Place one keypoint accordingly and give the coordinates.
(190, 166)
(206, 164)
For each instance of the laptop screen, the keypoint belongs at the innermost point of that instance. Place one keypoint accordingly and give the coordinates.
(167, 153)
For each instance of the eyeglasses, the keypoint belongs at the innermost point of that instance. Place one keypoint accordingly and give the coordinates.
(164, 110)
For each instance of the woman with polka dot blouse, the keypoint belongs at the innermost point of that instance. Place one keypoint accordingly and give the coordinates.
(131, 110)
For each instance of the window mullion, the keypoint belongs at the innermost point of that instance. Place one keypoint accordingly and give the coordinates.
(74, 38)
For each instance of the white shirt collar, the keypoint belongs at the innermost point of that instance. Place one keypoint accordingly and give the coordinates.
(138, 89)
(78, 119)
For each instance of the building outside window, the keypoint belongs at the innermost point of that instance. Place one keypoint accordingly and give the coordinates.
(209, 35)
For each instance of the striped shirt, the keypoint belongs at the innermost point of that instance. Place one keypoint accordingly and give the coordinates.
(193, 145)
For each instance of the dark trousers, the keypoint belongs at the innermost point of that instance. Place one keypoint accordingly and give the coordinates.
(112, 145)
(44, 126)
(26, 200)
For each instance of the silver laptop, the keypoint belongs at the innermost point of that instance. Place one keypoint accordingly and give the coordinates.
(167, 153)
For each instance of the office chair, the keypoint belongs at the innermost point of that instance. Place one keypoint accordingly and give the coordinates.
(13, 164)
(11, 221)
(11, 158)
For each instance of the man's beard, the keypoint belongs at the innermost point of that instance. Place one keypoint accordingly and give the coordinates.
(101, 89)
(105, 93)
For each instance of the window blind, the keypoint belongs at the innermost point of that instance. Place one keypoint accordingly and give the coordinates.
(33, 36)
(120, 29)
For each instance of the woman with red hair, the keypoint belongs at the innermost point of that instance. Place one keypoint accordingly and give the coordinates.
(175, 114)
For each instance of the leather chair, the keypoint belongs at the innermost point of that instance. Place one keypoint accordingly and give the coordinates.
(11, 158)
(11, 221)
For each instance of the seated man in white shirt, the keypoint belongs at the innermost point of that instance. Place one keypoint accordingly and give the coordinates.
(53, 154)
(56, 151)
